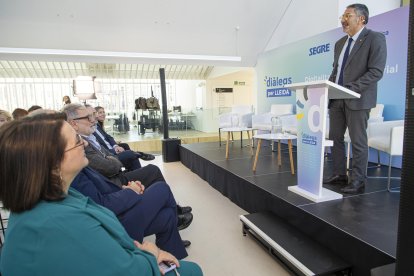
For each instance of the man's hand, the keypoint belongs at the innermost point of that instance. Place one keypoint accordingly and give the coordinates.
(136, 186)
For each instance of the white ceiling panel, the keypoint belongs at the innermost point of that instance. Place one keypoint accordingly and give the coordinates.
(40, 69)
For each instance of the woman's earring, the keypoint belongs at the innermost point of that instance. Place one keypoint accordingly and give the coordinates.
(60, 176)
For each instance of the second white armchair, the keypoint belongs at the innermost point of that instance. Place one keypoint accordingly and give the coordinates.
(264, 121)
(240, 116)
(387, 137)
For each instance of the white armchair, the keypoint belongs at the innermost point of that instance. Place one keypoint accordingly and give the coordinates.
(284, 111)
(375, 115)
(387, 137)
(240, 116)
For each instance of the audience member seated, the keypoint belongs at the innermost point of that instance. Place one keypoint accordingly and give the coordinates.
(107, 164)
(33, 108)
(4, 117)
(19, 113)
(53, 229)
(66, 100)
(129, 158)
(82, 119)
(141, 211)
(108, 141)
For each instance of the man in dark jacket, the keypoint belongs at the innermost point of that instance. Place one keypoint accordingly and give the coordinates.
(141, 211)
(359, 62)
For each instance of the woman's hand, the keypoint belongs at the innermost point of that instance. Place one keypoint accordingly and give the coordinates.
(160, 255)
(149, 247)
(164, 256)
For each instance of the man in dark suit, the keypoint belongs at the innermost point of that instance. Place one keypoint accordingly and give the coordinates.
(107, 141)
(107, 164)
(359, 63)
(141, 211)
(101, 139)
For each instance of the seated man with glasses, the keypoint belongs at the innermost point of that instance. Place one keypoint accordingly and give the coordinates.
(107, 164)
(82, 119)
(128, 158)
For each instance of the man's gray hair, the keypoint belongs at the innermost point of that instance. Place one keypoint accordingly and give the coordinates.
(361, 10)
(71, 110)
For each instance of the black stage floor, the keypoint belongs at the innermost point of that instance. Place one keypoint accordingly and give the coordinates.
(361, 229)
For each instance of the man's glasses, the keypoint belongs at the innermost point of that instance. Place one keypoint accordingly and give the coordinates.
(79, 142)
(90, 117)
(346, 16)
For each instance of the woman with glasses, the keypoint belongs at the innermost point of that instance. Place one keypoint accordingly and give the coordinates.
(54, 230)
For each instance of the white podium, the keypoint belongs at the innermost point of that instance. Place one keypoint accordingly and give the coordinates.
(311, 109)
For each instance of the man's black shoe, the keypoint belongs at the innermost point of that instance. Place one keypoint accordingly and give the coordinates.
(186, 243)
(183, 209)
(146, 156)
(184, 221)
(354, 187)
(336, 179)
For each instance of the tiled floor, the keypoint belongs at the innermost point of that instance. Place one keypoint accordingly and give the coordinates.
(218, 245)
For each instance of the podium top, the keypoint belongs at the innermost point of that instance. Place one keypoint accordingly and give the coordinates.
(335, 91)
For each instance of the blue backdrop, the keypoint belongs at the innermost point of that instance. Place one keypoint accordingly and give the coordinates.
(311, 59)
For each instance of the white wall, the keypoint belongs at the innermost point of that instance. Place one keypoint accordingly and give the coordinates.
(185, 94)
(215, 103)
(304, 19)
(242, 94)
(219, 71)
(307, 18)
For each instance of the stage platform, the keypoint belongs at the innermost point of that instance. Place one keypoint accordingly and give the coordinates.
(360, 229)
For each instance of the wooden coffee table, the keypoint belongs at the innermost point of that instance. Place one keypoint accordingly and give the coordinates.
(278, 138)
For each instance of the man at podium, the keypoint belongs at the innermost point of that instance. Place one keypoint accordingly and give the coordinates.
(359, 62)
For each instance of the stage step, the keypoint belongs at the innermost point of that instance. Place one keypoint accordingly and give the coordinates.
(385, 270)
(297, 251)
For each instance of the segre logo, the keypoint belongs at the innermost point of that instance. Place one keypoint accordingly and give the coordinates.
(271, 84)
(319, 49)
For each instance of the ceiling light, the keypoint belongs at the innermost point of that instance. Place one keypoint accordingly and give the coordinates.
(59, 52)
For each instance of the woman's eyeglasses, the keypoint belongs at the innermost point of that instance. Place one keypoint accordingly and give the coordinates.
(79, 142)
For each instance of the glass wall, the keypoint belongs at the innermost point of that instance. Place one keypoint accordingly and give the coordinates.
(117, 96)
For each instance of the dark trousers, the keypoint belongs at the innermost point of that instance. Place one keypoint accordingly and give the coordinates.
(156, 214)
(148, 175)
(129, 159)
(341, 118)
(125, 146)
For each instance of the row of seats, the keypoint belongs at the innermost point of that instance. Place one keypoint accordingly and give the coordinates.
(382, 136)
